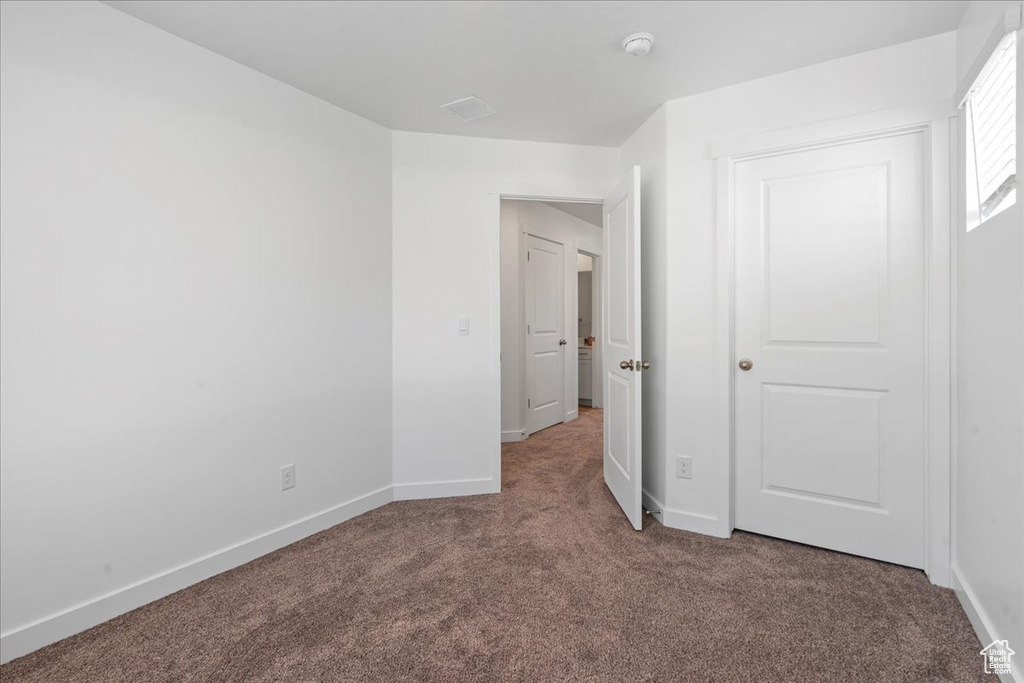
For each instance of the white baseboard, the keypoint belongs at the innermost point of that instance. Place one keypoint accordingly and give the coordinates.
(513, 435)
(447, 489)
(686, 521)
(983, 625)
(25, 639)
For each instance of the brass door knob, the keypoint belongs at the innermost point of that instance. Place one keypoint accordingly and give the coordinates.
(745, 364)
(626, 364)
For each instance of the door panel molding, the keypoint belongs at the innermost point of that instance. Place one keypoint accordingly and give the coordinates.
(936, 123)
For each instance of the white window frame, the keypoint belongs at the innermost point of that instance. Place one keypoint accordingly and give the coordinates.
(975, 215)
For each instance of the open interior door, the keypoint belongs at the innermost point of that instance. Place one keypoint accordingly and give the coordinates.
(621, 374)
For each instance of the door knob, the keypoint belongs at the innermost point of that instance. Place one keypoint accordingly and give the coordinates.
(561, 342)
(646, 365)
(626, 364)
(745, 364)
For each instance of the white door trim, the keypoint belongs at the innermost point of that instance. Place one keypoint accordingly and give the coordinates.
(581, 193)
(596, 317)
(933, 121)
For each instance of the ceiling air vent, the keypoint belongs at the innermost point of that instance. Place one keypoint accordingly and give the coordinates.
(470, 108)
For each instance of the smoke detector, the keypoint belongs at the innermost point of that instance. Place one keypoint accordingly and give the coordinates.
(470, 108)
(638, 44)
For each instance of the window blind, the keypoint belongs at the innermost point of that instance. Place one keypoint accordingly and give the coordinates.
(992, 117)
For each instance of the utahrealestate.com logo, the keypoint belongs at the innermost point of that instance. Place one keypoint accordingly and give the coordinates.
(997, 657)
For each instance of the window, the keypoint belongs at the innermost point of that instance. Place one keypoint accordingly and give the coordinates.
(991, 111)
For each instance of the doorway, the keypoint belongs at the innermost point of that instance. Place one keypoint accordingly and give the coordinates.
(550, 313)
(588, 310)
(613, 236)
(830, 402)
(835, 269)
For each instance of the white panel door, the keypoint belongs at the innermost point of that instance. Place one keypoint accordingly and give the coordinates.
(544, 283)
(621, 332)
(830, 312)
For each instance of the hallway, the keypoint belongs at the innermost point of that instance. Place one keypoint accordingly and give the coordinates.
(543, 582)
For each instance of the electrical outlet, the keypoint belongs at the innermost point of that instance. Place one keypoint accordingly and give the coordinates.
(287, 477)
(684, 467)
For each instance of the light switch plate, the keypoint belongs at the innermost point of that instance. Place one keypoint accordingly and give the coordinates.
(463, 325)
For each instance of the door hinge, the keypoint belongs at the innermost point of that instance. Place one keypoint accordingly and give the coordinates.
(527, 329)
(527, 256)
(527, 403)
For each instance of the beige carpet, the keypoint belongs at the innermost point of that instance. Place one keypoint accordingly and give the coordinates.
(544, 582)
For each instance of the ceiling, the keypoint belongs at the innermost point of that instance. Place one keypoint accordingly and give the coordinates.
(591, 213)
(555, 71)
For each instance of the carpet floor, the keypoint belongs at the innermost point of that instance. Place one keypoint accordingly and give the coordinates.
(543, 582)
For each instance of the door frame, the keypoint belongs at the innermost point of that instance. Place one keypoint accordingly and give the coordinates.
(528, 190)
(934, 122)
(596, 320)
(571, 247)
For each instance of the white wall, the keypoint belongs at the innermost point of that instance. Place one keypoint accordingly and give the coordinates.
(647, 147)
(513, 371)
(447, 407)
(910, 73)
(989, 489)
(536, 218)
(196, 290)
